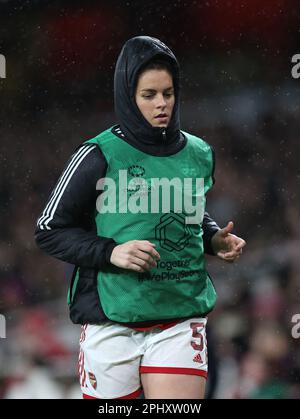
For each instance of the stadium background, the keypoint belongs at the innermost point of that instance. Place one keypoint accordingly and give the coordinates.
(237, 93)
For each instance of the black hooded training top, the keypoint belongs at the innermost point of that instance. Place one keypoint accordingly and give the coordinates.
(135, 54)
(66, 228)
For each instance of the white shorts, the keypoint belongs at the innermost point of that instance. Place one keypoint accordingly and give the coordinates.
(113, 356)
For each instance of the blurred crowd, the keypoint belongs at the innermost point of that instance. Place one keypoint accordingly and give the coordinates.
(252, 121)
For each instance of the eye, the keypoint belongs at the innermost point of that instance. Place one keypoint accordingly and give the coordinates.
(169, 94)
(149, 96)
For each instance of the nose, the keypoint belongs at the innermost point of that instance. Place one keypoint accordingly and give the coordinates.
(161, 101)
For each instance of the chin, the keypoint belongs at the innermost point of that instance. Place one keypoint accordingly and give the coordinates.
(161, 125)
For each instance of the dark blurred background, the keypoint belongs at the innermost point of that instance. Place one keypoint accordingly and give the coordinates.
(237, 93)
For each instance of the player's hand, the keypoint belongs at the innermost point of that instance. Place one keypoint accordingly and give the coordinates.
(136, 255)
(227, 246)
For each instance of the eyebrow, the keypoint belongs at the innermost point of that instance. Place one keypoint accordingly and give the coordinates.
(153, 90)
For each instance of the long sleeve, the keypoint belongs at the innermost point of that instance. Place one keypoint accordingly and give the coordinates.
(66, 227)
(210, 227)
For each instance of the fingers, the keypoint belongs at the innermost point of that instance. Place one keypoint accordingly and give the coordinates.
(233, 243)
(137, 255)
(228, 229)
(148, 247)
(136, 268)
(241, 243)
(144, 264)
(146, 257)
(230, 256)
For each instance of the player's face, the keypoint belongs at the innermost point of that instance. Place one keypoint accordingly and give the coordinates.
(155, 97)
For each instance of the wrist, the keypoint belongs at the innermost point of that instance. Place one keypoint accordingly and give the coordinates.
(213, 243)
(108, 252)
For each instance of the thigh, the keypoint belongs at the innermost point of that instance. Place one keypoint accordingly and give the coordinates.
(109, 362)
(173, 386)
(175, 361)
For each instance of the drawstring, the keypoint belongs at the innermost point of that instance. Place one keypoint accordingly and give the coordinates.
(164, 135)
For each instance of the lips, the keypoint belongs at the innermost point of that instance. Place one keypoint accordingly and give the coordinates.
(162, 115)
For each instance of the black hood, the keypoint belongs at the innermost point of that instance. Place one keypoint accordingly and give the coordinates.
(135, 53)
